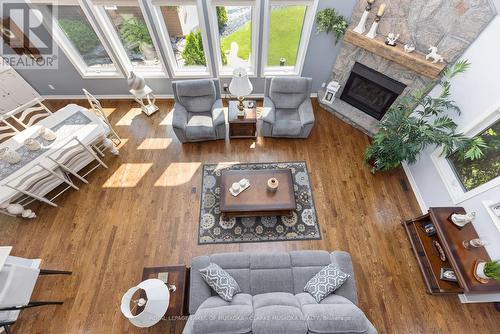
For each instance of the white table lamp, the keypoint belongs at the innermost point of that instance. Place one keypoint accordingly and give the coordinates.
(154, 305)
(240, 86)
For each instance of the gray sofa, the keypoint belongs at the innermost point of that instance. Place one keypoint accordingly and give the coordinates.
(198, 113)
(287, 109)
(272, 300)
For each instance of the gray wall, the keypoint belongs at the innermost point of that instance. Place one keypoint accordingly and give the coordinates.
(320, 57)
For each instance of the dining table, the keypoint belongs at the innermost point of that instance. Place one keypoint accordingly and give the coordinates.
(67, 123)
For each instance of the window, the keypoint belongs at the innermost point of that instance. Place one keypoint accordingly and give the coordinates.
(473, 174)
(287, 27)
(129, 33)
(75, 35)
(182, 29)
(465, 178)
(235, 25)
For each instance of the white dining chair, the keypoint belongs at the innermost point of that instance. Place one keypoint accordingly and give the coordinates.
(96, 107)
(18, 278)
(7, 130)
(74, 156)
(37, 182)
(32, 115)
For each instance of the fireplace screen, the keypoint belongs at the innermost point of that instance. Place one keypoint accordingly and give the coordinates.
(371, 91)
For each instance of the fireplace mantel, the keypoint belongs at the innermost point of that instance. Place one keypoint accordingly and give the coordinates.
(414, 61)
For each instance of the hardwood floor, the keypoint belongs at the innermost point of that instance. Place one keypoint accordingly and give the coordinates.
(142, 211)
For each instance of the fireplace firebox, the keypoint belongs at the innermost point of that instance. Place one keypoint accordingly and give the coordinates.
(371, 91)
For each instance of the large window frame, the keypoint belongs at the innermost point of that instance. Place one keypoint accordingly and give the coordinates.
(227, 71)
(307, 26)
(454, 186)
(98, 8)
(178, 72)
(70, 51)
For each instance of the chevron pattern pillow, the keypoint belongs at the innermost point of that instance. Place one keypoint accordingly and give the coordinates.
(327, 280)
(219, 280)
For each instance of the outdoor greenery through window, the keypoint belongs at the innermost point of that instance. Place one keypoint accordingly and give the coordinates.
(285, 31)
(134, 35)
(81, 35)
(235, 35)
(185, 35)
(474, 173)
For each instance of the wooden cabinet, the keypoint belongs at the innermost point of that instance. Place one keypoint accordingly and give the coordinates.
(243, 127)
(458, 258)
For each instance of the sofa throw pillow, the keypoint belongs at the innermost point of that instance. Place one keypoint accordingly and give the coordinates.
(327, 280)
(219, 280)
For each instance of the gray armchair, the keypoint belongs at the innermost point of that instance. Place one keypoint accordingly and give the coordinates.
(287, 110)
(198, 113)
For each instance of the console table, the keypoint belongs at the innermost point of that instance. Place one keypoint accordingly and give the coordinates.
(458, 258)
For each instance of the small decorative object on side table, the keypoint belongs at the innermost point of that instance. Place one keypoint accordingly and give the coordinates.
(178, 282)
(146, 100)
(244, 126)
(331, 90)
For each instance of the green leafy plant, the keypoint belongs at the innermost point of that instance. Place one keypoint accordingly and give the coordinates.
(193, 53)
(135, 33)
(420, 120)
(328, 20)
(80, 34)
(221, 16)
(492, 269)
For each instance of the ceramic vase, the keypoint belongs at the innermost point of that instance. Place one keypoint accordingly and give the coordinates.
(480, 270)
(10, 155)
(32, 144)
(135, 82)
(47, 134)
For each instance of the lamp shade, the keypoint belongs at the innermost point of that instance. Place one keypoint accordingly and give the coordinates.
(155, 304)
(240, 84)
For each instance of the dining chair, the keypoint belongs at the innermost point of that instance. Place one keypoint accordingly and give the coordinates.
(32, 115)
(18, 278)
(74, 156)
(37, 182)
(96, 107)
(7, 130)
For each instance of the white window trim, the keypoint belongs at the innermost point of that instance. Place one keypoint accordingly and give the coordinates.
(226, 71)
(112, 36)
(69, 50)
(312, 6)
(193, 71)
(451, 181)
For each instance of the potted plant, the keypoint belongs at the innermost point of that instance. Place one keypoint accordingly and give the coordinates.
(328, 20)
(418, 121)
(488, 270)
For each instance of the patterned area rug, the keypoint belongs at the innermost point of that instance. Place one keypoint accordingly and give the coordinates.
(302, 225)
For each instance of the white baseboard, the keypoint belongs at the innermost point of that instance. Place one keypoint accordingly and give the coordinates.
(415, 189)
(479, 298)
(130, 97)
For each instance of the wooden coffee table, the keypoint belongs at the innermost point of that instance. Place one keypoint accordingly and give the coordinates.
(256, 200)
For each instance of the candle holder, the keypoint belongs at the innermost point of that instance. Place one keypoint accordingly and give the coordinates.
(373, 30)
(361, 27)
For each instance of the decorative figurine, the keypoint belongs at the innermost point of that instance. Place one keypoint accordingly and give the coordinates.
(391, 39)
(434, 55)
(360, 28)
(409, 48)
(462, 220)
(32, 144)
(47, 134)
(9, 155)
(135, 82)
(373, 30)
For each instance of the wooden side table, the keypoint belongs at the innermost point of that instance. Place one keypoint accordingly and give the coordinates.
(179, 276)
(244, 127)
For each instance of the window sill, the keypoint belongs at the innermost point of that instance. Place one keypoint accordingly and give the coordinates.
(277, 71)
(192, 74)
(102, 75)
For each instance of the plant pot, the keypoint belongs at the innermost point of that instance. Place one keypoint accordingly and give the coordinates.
(479, 272)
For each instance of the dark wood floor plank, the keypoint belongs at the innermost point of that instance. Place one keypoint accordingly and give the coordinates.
(142, 212)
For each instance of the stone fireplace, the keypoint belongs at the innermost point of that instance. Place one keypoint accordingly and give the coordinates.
(451, 25)
(370, 91)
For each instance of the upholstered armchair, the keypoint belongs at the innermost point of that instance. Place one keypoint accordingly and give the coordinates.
(198, 113)
(287, 108)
